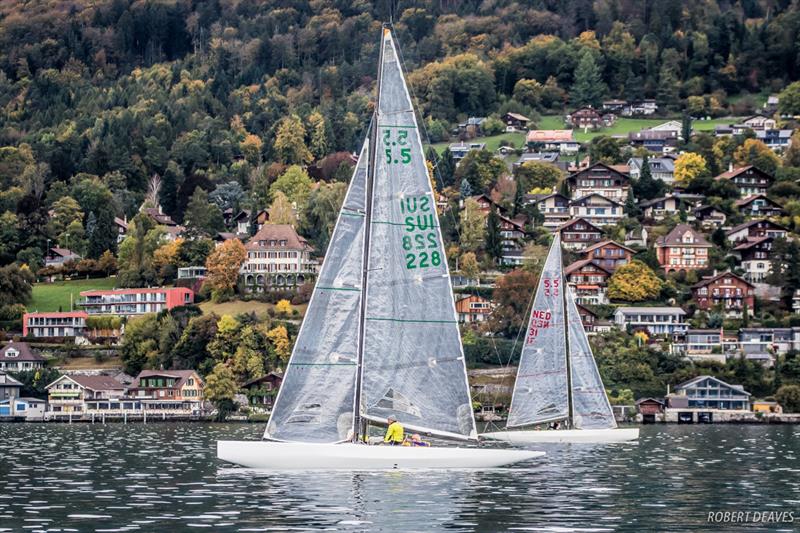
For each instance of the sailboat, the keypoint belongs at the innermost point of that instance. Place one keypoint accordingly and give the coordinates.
(557, 379)
(380, 337)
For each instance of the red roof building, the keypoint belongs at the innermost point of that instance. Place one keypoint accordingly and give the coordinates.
(127, 302)
(54, 325)
(683, 248)
(727, 292)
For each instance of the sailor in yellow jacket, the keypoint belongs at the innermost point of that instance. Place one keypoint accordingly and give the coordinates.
(395, 434)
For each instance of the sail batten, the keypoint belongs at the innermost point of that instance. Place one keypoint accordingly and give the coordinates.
(541, 389)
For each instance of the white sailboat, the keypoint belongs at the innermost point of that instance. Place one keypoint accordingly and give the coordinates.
(380, 337)
(557, 379)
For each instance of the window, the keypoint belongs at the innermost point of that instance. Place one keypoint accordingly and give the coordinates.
(11, 352)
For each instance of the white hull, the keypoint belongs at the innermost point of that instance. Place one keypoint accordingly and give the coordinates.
(264, 455)
(596, 436)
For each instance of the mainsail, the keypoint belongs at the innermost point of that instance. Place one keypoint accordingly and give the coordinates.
(315, 402)
(541, 390)
(413, 362)
(590, 407)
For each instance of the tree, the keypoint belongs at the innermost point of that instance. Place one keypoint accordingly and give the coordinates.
(294, 183)
(588, 88)
(319, 136)
(469, 265)
(279, 337)
(318, 214)
(788, 396)
(222, 268)
(9, 237)
(74, 238)
(512, 295)
(647, 187)
(528, 92)
(191, 350)
(481, 169)
(166, 259)
(465, 191)
(290, 147)
(605, 149)
(283, 307)
(789, 100)
(220, 389)
(494, 241)
(446, 166)
(66, 210)
(202, 217)
(136, 252)
(281, 212)
(227, 195)
(688, 167)
(634, 282)
(755, 152)
(140, 345)
(534, 175)
(16, 284)
(473, 226)
(251, 147)
(107, 263)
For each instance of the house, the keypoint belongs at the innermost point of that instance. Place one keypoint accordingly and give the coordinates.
(661, 321)
(178, 391)
(56, 257)
(589, 281)
(473, 309)
(749, 180)
(702, 345)
(660, 208)
(640, 107)
(659, 142)
(54, 325)
(192, 272)
(471, 128)
(777, 139)
(9, 387)
(670, 125)
(242, 222)
(261, 392)
(550, 158)
(127, 302)
(512, 235)
(609, 254)
(577, 234)
(771, 105)
(555, 209)
(754, 258)
(766, 407)
(761, 344)
(708, 392)
(485, 203)
(754, 122)
(650, 409)
(588, 319)
(460, 150)
(754, 229)
(561, 141)
(709, 217)
(277, 257)
(597, 209)
(589, 118)
(734, 295)
(614, 106)
(599, 179)
(637, 237)
(18, 356)
(31, 409)
(683, 248)
(661, 168)
(515, 122)
(759, 206)
(122, 228)
(70, 395)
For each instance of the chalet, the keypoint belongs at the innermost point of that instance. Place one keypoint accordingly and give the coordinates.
(485, 203)
(754, 258)
(577, 234)
(561, 141)
(599, 179)
(637, 237)
(179, 391)
(515, 122)
(660, 208)
(588, 280)
(661, 321)
(277, 257)
(472, 127)
(749, 180)
(589, 118)
(473, 309)
(512, 232)
(762, 344)
(704, 344)
(18, 356)
(776, 139)
(661, 168)
(589, 319)
(709, 217)
(555, 209)
(121, 226)
(614, 106)
(56, 257)
(460, 150)
(640, 107)
(759, 206)
(54, 325)
(70, 395)
(756, 123)
(726, 291)
(683, 248)
(609, 254)
(656, 141)
(723, 130)
(707, 392)
(597, 209)
(261, 392)
(9, 387)
(771, 105)
(756, 228)
(242, 222)
(670, 125)
(158, 216)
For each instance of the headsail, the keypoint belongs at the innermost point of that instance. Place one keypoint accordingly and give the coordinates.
(315, 402)
(541, 390)
(590, 406)
(414, 364)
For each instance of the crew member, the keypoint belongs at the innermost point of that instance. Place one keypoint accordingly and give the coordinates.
(395, 434)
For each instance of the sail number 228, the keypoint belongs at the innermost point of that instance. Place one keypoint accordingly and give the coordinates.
(394, 145)
(420, 239)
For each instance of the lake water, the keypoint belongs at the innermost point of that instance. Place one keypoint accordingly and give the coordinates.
(165, 477)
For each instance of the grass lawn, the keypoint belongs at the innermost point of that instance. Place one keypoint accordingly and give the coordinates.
(89, 362)
(236, 307)
(517, 139)
(50, 296)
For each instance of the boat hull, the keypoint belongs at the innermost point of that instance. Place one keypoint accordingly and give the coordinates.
(264, 455)
(589, 436)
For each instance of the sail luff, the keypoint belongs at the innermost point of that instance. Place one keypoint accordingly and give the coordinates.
(541, 392)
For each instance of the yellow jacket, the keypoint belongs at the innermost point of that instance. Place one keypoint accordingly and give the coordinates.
(394, 433)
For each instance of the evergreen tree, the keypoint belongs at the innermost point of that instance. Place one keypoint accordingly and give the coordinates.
(104, 235)
(647, 187)
(632, 207)
(519, 200)
(686, 129)
(494, 242)
(588, 88)
(466, 189)
(447, 167)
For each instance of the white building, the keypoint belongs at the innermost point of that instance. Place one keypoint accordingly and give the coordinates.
(656, 320)
(32, 409)
(68, 395)
(597, 209)
(277, 257)
(661, 168)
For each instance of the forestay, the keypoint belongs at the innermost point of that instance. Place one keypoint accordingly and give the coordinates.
(541, 390)
(316, 399)
(413, 359)
(590, 406)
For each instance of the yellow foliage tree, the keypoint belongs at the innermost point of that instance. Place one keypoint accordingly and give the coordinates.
(279, 338)
(634, 282)
(251, 147)
(283, 307)
(222, 268)
(281, 212)
(689, 166)
(755, 152)
(469, 265)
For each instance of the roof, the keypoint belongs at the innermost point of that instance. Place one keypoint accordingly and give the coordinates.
(63, 252)
(673, 238)
(60, 314)
(749, 243)
(744, 201)
(181, 375)
(26, 399)
(569, 223)
(652, 310)
(730, 174)
(161, 218)
(654, 201)
(263, 378)
(8, 381)
(517, 116)
(25, 352)
(642, 400)
(582, 263)
(244, 213)
(667, 163)
(149, 290)
(606, 243)
(609, 200)
(594, 167)
(653, 135)
(548, 157)
(706, 281)
(224, 236)
(97, 383)
(687, 384)
(553, 195)
(121, 223)
(549, 136)
(749, 223)
(278, 232)
(614, 102)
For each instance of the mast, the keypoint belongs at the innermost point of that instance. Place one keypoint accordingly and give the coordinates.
(571, 403)
(358, 421)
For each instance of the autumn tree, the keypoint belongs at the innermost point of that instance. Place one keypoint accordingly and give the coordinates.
(473, 226)
(481, 169)
(283, 307)
(294, 183)
(318, 145)
(468, 264)
(220, 389)
(534, 175)
(319, 212)
(280, 211)
(279, 337)
(222, 268)
(251, 147)
(755, 152)
(634, 282)
(688, 167)
(290, 146)
(512, 295)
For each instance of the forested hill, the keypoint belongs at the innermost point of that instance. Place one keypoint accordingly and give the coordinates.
(104, 94)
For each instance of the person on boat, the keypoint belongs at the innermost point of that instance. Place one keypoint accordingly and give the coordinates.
(416, 440)
(395, 434)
